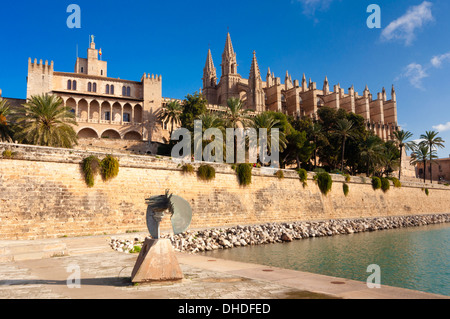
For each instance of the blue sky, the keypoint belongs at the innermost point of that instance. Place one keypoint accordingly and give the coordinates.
(315, 37)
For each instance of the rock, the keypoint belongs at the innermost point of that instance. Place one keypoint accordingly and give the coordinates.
(286, 238)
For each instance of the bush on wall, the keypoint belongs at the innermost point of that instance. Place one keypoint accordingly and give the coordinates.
(109, 167)
(244, 172)
(385, 185)
(279, 174)
(303, 175)
(187, 169)
(345, 188)
(324, 182)
(91, 167)
(397, 183)
(206, 172)
(376, 183)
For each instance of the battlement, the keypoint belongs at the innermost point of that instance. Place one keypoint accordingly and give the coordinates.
(45, 67)
(153, 78)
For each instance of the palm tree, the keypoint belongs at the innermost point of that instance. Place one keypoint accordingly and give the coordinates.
(371, 150)
(235, 117)
(210, 120)
(390, 159)
(5, 129)
(267, 121)
(344, 129)
(401, 139)
(421, 153)
(433, 142)
(45, 121)
(171, 113)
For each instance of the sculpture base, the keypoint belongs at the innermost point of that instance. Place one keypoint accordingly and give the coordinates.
(156, 262)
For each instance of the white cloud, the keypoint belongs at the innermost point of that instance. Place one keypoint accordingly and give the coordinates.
(442, 127)
(310, 6)
(404, 27)
(438, 60)
(415, 73)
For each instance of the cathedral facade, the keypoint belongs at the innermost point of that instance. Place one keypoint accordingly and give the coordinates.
(292, 97)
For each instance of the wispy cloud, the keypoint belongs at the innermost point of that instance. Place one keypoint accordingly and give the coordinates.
(404, 27)
(311, 6)
(438, 60)
(415, 73)
(442, 127)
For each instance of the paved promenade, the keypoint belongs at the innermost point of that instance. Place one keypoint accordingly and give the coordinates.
(40, 269)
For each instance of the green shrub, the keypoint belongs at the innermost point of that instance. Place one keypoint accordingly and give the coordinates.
(385, 185)
(206, 172)
(233, 167)
(446, 184)
(376, 183)
(303, 174)
(136, 249)
(187, 169)
(244, 172)
(8, 154)
(324, 182)
(279, 174)
(345, 188)
(91, 167)
(397, 183)
(427, 192)
(109, 167)
(347, 178)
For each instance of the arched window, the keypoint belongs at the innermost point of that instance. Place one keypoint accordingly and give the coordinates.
(112, 89)
(74, 85)
(69, 85)
(89, 87)
(128, 91)
(107, 89)
(94, 87)
(124, 91)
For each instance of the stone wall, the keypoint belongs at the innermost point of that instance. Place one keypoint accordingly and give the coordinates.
(43, 195)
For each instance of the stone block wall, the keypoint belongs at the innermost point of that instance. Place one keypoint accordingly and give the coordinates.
(43, 195)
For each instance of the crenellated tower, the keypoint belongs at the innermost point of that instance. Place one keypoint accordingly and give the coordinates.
(40, 78)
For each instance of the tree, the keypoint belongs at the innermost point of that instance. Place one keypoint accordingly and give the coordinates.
(171, 113)
(45, 121)
(371, 150)
(421, 153)
(193, 106)
(401, 139)
(236, 117)
(344, 129)
(433, 142)
(266, 120)
(390, 158)
(316, 135)
(5, 128)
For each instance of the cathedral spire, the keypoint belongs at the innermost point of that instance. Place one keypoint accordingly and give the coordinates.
(326, 86)
(209, 72)
(229, 64)
(254, 70)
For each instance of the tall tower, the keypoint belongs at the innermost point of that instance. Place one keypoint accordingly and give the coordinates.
(255, 97)
(229, 80)
(210, 80)
(229, 64)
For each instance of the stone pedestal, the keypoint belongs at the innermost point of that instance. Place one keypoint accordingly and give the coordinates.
(156, 262)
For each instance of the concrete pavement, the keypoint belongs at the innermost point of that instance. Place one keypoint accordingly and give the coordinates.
(32, 273)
